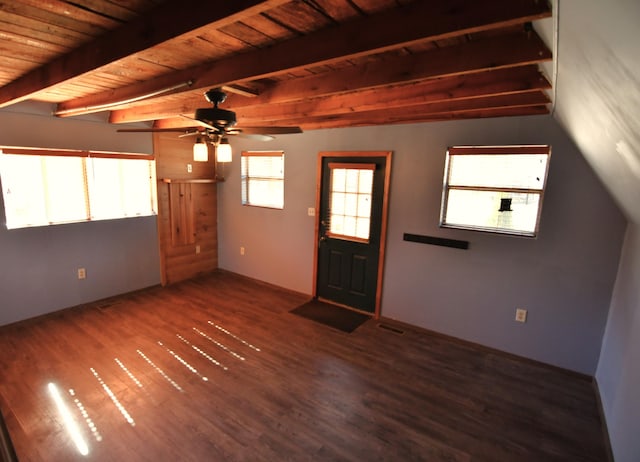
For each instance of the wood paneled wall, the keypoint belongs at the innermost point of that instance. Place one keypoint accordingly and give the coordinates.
(187, 209)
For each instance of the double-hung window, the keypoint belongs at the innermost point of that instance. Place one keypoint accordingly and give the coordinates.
(495, 188)
(262, 175)
(43, 187)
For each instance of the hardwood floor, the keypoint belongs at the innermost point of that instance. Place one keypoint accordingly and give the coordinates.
(217, 369)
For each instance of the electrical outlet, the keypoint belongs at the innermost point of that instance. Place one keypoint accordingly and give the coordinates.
(311, 211)
(82, 273)
(521, 315)
(189, 168)
(241, 250)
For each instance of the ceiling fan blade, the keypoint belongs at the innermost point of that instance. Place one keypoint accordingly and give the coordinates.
(268, 130)
(192, 133)
(199, 122)
(147, 130)
(253, 136)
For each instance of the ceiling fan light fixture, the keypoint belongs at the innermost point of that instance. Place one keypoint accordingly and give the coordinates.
(223, 151)
(200, 151)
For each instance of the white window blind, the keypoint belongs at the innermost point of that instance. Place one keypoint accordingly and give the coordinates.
(263, 178)
(40, 190)
(120, 188)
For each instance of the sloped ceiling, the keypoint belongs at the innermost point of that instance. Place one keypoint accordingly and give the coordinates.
(598, 91)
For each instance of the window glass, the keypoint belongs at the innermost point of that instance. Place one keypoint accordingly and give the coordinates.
(23, 191)
(498, 171)
(64, 182)
(41, 190)
(262, 175)
(497, 189)
(120, 188)
(483, 209)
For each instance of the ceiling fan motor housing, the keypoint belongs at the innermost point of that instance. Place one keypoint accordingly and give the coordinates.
(219, 118)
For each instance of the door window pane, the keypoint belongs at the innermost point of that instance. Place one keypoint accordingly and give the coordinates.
(350, 207)
(365, 181)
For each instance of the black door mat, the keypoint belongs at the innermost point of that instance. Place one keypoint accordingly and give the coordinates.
(331, 315)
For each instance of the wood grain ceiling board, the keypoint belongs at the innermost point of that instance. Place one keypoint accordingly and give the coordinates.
(314, 63)
(330, 45)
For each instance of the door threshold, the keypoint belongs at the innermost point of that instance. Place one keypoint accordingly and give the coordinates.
(347, 307)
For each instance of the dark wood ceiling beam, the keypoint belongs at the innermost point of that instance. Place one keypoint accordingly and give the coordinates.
(172, 122)
(492, 53)
(417, 22)
(487, 83)
(390, 115)
(460, 115)
(476, 56)
(382, 120)
(482, 84)
(415, 112)
(159, 25)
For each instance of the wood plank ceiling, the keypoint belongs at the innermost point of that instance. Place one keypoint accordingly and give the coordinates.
(308, 63)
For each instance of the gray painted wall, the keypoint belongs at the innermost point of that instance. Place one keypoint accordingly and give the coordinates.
(598, 103)
(38, 266)
(618, 373)
(564, 278)
(38, 273)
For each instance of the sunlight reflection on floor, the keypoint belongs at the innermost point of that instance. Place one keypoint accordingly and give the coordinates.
(76, 433)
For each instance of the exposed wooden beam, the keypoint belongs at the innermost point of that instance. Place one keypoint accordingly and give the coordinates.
(415, 23)
(161, 24)
(487, 83)
(459, 115)
(475, 56)
(492, 53)
(368, 121)
(414, 112)
(173, 122)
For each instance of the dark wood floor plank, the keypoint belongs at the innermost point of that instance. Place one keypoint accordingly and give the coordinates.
(217, 368)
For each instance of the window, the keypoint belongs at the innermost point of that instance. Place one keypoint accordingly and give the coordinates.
(70, 186)
(263, 179)
(350, 201)
(496, 189)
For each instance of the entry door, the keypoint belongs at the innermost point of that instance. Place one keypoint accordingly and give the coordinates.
(351, 228)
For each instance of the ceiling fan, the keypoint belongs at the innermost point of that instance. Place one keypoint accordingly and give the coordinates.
(216, 123)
